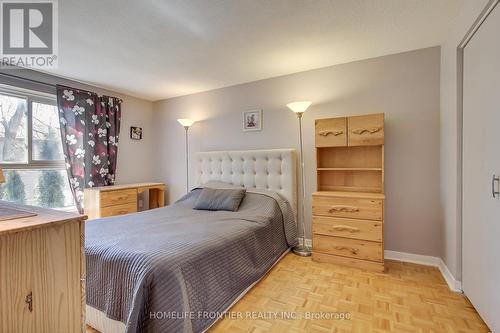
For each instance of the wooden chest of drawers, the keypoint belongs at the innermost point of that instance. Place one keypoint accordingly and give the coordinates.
(350, 227)
(348, 208)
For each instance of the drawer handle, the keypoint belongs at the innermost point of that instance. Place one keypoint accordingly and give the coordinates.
(346, 209)
(346, 248)
(327, 133)
(342, 227)
(29, 300)
(361, 131)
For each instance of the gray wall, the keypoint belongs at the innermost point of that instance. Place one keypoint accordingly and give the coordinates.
(134, 157)
(403, 86)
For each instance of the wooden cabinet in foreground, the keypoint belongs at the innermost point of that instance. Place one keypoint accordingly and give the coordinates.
(115, 200)
(42, 270)
(348, 207)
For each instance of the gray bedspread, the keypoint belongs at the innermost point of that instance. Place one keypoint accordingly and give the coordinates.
(171, 269)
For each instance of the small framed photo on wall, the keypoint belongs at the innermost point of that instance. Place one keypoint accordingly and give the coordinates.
(135, 133)
(252, 120)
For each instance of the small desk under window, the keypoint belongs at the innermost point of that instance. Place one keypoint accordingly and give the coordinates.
(121, 199)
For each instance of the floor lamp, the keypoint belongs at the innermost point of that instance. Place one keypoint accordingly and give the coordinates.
(186, 122)
(299, 108)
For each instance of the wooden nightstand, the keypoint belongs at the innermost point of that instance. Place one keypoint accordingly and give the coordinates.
(107, 201)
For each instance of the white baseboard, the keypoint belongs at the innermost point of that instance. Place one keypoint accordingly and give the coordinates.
(413, 258)
(453, 283)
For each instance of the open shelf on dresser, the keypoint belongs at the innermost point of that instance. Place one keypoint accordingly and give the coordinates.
(350, 157)
(350, 180)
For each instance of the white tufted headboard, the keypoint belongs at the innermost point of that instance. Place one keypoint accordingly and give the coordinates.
(271, 169)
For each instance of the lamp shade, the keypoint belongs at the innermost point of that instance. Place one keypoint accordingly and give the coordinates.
(186, 122)
(299, 107)
(2, 179)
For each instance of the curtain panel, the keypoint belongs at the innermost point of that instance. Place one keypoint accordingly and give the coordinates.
(90, 128)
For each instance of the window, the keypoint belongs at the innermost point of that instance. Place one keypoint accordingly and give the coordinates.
(31, 154)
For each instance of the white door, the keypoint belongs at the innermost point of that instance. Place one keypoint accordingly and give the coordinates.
(481, 160)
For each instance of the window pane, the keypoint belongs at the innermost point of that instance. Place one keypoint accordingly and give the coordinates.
(46, 136)
(13, 124)
(45, 188)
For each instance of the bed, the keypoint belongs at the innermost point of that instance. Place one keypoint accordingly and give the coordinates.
(176, 269)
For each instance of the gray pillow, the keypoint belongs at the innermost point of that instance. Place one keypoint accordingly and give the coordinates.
(219, 199)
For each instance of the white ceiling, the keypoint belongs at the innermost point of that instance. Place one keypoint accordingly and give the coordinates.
(158, 49)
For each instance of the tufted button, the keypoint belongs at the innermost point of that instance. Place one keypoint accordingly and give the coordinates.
(254, 159)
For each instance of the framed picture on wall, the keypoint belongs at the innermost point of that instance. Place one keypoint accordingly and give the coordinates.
(252, 120)
(135, 133)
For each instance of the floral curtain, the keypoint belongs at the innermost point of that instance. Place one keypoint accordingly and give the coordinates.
(90, 127)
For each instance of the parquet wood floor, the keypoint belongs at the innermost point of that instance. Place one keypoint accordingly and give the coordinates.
(407, 298)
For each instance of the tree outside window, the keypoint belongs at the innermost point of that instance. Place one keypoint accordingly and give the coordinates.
(50, 182)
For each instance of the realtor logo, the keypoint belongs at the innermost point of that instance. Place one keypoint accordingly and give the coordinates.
(28, 33)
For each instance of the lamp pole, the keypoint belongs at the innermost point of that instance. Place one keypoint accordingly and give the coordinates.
(302, 249)
(186, 123)
(299, 108)
(187, 159)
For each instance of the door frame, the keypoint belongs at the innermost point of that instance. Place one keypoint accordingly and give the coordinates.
(490, 6)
